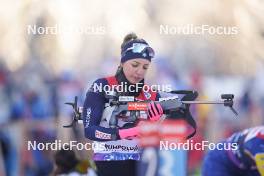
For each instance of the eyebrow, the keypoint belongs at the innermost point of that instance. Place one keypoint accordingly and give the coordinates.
(140, 63)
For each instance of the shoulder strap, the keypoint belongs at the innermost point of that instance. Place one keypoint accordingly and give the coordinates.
(188, 115)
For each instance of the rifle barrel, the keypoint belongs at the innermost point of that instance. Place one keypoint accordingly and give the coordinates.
(203, 102)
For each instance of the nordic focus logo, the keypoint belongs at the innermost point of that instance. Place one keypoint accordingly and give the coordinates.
(58, 145)
(190, 145)
(191, 29)
(125, 87)
(60, 29)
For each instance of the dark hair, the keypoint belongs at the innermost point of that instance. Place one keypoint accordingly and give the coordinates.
(129, 37)
(66, 161)
(119, 70)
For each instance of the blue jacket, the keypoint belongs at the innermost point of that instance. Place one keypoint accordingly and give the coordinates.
(92, 113)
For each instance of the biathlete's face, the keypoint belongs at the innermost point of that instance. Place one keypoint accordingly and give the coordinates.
(135, 69)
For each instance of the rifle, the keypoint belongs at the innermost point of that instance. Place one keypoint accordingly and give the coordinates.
(172, 107)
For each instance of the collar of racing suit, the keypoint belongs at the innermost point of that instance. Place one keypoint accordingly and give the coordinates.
(122, 80)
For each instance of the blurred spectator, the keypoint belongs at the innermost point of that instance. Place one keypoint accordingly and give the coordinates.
(67, 164)
(9, 153)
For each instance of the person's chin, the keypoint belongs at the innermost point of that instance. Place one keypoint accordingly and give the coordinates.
(133, 81)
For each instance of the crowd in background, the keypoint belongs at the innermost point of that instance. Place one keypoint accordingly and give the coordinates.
(40, 72)
(33, 109)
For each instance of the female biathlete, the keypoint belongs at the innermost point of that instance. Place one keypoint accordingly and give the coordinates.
(120, 153)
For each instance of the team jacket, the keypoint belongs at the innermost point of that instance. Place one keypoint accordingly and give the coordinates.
(96, 127)
(250, 143)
